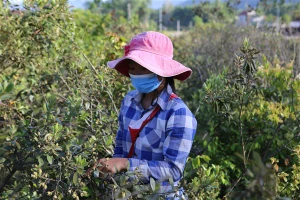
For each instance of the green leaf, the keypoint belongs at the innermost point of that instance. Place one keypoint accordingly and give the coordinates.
(152, 183)
(31, 98)
(88, 190)
(41, 161)
(87, 105)
(205, 157)
(257, 159)
(18, 145)
(9, 88)
(122, 179)
(196, 162)
(50, 159)
(75, 178)
(2, 160)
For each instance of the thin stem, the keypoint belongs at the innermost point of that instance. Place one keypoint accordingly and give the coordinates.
(241, 130)
(65, 82)
(230, 190)
(79, 50)
(6, 179)
(113, 102)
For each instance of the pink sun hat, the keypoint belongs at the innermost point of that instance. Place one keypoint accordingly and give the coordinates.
(153, 51)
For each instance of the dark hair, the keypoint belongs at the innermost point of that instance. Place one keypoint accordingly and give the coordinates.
(171, 82)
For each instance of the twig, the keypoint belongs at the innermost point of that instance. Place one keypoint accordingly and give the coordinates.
(92, 66)
(113, 102)
(230, 190)
(65, 82)
(274, 136)
(241, 132)
(79, 50)
(6, 179)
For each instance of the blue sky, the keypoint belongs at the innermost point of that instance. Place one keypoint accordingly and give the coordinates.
(156, 4)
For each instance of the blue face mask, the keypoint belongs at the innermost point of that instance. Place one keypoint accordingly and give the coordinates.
(145, 83)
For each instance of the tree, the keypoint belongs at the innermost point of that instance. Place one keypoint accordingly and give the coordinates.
(184, 14)
(55, 114)
(216, 12)
(119, 8)
(197, 21)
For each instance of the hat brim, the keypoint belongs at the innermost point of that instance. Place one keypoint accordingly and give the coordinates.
(160, 65)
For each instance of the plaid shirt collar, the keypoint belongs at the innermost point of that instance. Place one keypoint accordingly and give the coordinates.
(162, 99)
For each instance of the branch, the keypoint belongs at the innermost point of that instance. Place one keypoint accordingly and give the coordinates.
(79, 50)
(6, 179)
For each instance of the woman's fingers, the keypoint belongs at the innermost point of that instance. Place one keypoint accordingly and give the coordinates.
(109, 165)
(98, 165)
(102, 165)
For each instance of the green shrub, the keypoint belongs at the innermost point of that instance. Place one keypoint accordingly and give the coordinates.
(203, 180)
(59, 106)
(210, 48)
(59, 101)
(248, 109)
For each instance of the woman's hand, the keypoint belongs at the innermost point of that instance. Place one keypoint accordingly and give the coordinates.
(109, 165)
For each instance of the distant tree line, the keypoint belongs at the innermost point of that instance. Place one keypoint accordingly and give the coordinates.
(207, 11)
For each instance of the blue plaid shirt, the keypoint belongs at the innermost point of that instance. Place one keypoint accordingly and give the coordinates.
(163, 144)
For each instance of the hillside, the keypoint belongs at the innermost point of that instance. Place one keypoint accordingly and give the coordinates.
(241, 6)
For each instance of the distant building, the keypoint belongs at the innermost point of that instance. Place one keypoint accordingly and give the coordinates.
(293, 28)
(258, 21)
(249, 17)
(292, 24)
(245, 17)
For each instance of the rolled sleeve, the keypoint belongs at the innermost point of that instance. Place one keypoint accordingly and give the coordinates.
(159, 170)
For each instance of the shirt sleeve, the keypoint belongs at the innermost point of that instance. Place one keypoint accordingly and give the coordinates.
(181, 129)
(118, 152)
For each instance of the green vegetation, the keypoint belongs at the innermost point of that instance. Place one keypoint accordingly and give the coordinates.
(250, 110)
(59, 104)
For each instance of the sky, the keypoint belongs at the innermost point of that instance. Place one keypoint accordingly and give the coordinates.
(156, 4)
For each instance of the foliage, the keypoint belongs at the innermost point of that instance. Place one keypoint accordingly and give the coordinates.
(216, 11)
(289, 178)
(198, 22)
(202, 180)
(58, 101)
(184, 14)
(281, 8)
(139, 8)
(166, 19)
(59, 106)
(121, 18)
(208, 49)
(220, 12)
(249, 109)
(268, 181)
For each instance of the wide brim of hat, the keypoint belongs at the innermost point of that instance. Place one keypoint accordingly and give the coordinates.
(160, 65)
